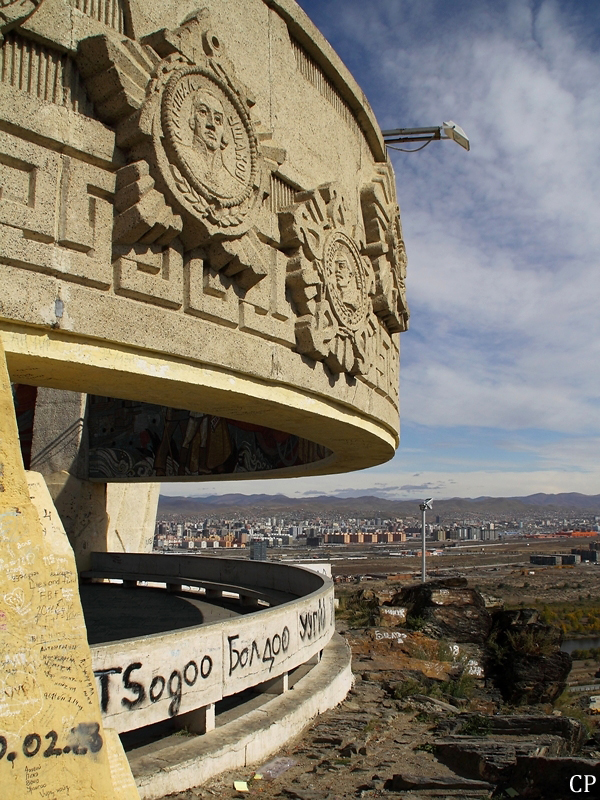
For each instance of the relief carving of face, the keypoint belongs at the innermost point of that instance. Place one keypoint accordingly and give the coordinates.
(208, 122)
(346, 282)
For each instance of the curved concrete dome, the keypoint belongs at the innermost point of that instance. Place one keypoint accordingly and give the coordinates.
(199, 214)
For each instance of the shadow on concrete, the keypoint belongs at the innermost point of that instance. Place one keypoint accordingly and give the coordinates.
(113, 612)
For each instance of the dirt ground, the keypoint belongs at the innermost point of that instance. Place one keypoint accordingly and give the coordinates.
(349, 752)
(354, 750)
(500, 569)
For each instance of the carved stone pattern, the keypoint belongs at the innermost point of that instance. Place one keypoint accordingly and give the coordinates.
(345, 280)
(329, 281)
(40, 189)
(109, 12)
(16, 11)
(281, 195)
(196, 170)
(313, 73)
(385, 247)
(43, 73)
(187, 82)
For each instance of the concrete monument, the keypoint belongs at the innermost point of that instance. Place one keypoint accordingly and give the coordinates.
(201, 260)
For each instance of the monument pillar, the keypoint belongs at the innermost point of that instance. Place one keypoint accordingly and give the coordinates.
(52, 740)
(97, 516)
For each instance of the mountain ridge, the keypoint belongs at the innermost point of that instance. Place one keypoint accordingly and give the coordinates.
(369, 505)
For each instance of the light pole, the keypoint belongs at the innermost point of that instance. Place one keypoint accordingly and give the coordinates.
(448, 130)
(425, 506)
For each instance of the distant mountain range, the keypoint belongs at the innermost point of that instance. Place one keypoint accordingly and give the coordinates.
(566, 503)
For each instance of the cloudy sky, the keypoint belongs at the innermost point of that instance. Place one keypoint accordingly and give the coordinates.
(499, 370)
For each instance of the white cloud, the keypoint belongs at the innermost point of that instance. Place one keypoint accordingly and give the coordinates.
(504, 250)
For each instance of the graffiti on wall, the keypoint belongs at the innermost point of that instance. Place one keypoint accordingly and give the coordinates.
(130, 691)
(267, 651)
(130, 440)
(313, 623)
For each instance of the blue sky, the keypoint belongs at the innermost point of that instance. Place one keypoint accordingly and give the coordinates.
(499, 370)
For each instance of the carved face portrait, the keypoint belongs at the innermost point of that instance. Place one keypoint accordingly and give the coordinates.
(208, 122)
(206, 154)
(345, 280)
(210, 147)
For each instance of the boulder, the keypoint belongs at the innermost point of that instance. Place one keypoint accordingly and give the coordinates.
(403, 781)
(571, 731)
(524, 658)
(540, 778)
(479, 760)
(446, 609)
(492, 760)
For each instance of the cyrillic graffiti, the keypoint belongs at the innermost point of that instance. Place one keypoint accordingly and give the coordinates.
(313, 623)
(266, 653)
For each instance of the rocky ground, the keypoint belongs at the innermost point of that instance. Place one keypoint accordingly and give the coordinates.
(426, 717)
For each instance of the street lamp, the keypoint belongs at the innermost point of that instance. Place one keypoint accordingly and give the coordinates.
(448, 130)
(425, 506)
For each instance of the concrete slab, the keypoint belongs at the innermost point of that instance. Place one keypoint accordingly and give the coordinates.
(179, 763)
(113, 612)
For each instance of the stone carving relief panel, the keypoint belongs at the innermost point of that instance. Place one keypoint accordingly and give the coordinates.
(39, 190)
(384, 245)
(13, 12)
(152, 273)
(179, 109)
(329, 280)
(199, 175)
(203, 223)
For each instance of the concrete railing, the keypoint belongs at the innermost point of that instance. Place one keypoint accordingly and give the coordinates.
(184, 672)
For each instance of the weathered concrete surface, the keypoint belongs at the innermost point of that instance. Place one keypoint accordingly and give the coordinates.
(95, 516)
(51, 729)
(131, 510)
(250, 739)
(142, 681)
(57, 433)
(259, 279)
(81, 506)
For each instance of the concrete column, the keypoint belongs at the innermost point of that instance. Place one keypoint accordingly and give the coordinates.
(201, 720)
(248, 601)
(277, 685)
(114, 517)
(131, 510)
(35, 550)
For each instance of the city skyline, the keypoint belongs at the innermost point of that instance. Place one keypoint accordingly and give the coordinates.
(499, 395)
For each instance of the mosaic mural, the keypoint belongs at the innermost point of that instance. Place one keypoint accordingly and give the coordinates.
(130, 440)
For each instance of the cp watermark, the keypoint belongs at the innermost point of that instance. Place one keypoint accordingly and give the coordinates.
(581, 783)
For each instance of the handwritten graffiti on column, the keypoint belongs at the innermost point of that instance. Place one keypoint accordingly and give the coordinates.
(83, 739)
(266, 653)
(313, 623)
(174, 685)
